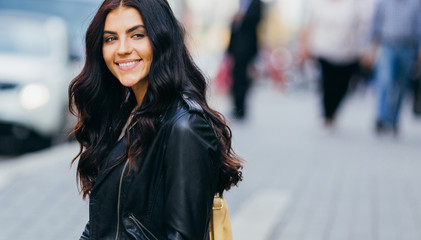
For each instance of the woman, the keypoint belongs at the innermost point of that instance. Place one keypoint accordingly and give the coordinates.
(334, 37)
(153, 154)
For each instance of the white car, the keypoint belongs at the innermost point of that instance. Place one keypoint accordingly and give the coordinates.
(35, 71)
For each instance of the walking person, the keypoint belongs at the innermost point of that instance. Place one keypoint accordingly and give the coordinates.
(396, 32)
(334, 38)
(243, 48)
(152, 152)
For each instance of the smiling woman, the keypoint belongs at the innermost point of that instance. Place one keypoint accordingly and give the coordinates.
(127, 50)
(153, 153)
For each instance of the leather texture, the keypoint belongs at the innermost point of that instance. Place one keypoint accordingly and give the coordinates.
(85, 234)
(170, 196)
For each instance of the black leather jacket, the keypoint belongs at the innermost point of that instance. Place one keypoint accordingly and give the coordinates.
(170, 196)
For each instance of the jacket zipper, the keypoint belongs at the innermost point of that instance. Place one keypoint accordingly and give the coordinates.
(118, 200)
(141, 226)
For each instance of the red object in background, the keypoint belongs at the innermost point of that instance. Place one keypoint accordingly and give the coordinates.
(223, 79)
(276, 62)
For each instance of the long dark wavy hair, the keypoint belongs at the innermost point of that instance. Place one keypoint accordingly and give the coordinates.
(102, 105)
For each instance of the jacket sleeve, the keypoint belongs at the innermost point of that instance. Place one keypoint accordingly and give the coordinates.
(190, 177)
(85, 234)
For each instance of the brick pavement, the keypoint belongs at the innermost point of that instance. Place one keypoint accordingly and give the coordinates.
(344, 185)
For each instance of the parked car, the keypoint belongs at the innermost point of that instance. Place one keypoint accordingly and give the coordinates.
(35, 71)
(33, 86)
(76, 13)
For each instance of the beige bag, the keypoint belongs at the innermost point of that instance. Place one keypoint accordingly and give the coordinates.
(220, 223)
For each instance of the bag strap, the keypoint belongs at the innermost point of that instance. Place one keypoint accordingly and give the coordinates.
(212, 237)
(218, 204)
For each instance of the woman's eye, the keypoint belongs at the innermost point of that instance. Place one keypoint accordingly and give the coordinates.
(139, 35)
(109, 39)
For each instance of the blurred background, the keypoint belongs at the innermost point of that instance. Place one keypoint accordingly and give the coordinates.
(325, 157)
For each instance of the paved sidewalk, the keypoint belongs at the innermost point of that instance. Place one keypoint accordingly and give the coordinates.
(300, 182)
(39, 198)
(348, 184)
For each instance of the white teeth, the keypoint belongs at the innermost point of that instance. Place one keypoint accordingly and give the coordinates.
(127, 64)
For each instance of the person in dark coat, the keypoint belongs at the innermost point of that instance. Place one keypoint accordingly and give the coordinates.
(153, 154)
(243, 48)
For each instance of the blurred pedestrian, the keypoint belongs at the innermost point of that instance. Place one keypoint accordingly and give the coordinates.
(153, 153)
(243, 48)
(333, 36)
(396, 30)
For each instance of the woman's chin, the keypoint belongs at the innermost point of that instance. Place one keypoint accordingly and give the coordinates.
(127, 82)
(132, 81)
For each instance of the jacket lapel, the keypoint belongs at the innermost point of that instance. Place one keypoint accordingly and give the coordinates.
(112, 159)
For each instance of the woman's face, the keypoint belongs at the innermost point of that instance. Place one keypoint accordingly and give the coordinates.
(126, 48)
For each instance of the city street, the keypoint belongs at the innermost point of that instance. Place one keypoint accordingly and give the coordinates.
(301, 182)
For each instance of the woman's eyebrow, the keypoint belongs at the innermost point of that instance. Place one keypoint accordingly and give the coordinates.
(128, 31)
(109, 32)
(134, 28)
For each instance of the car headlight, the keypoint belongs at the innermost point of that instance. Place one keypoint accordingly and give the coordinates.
(33, 96)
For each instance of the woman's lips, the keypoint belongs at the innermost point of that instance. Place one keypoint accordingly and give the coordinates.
(128, 65)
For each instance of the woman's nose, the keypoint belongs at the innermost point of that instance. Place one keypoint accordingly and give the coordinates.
(124, 48)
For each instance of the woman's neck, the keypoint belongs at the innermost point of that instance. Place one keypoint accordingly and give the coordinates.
(140, 90)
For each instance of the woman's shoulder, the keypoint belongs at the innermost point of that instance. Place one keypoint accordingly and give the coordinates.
(188, 116)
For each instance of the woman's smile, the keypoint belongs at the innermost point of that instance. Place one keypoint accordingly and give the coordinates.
(126, 65)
